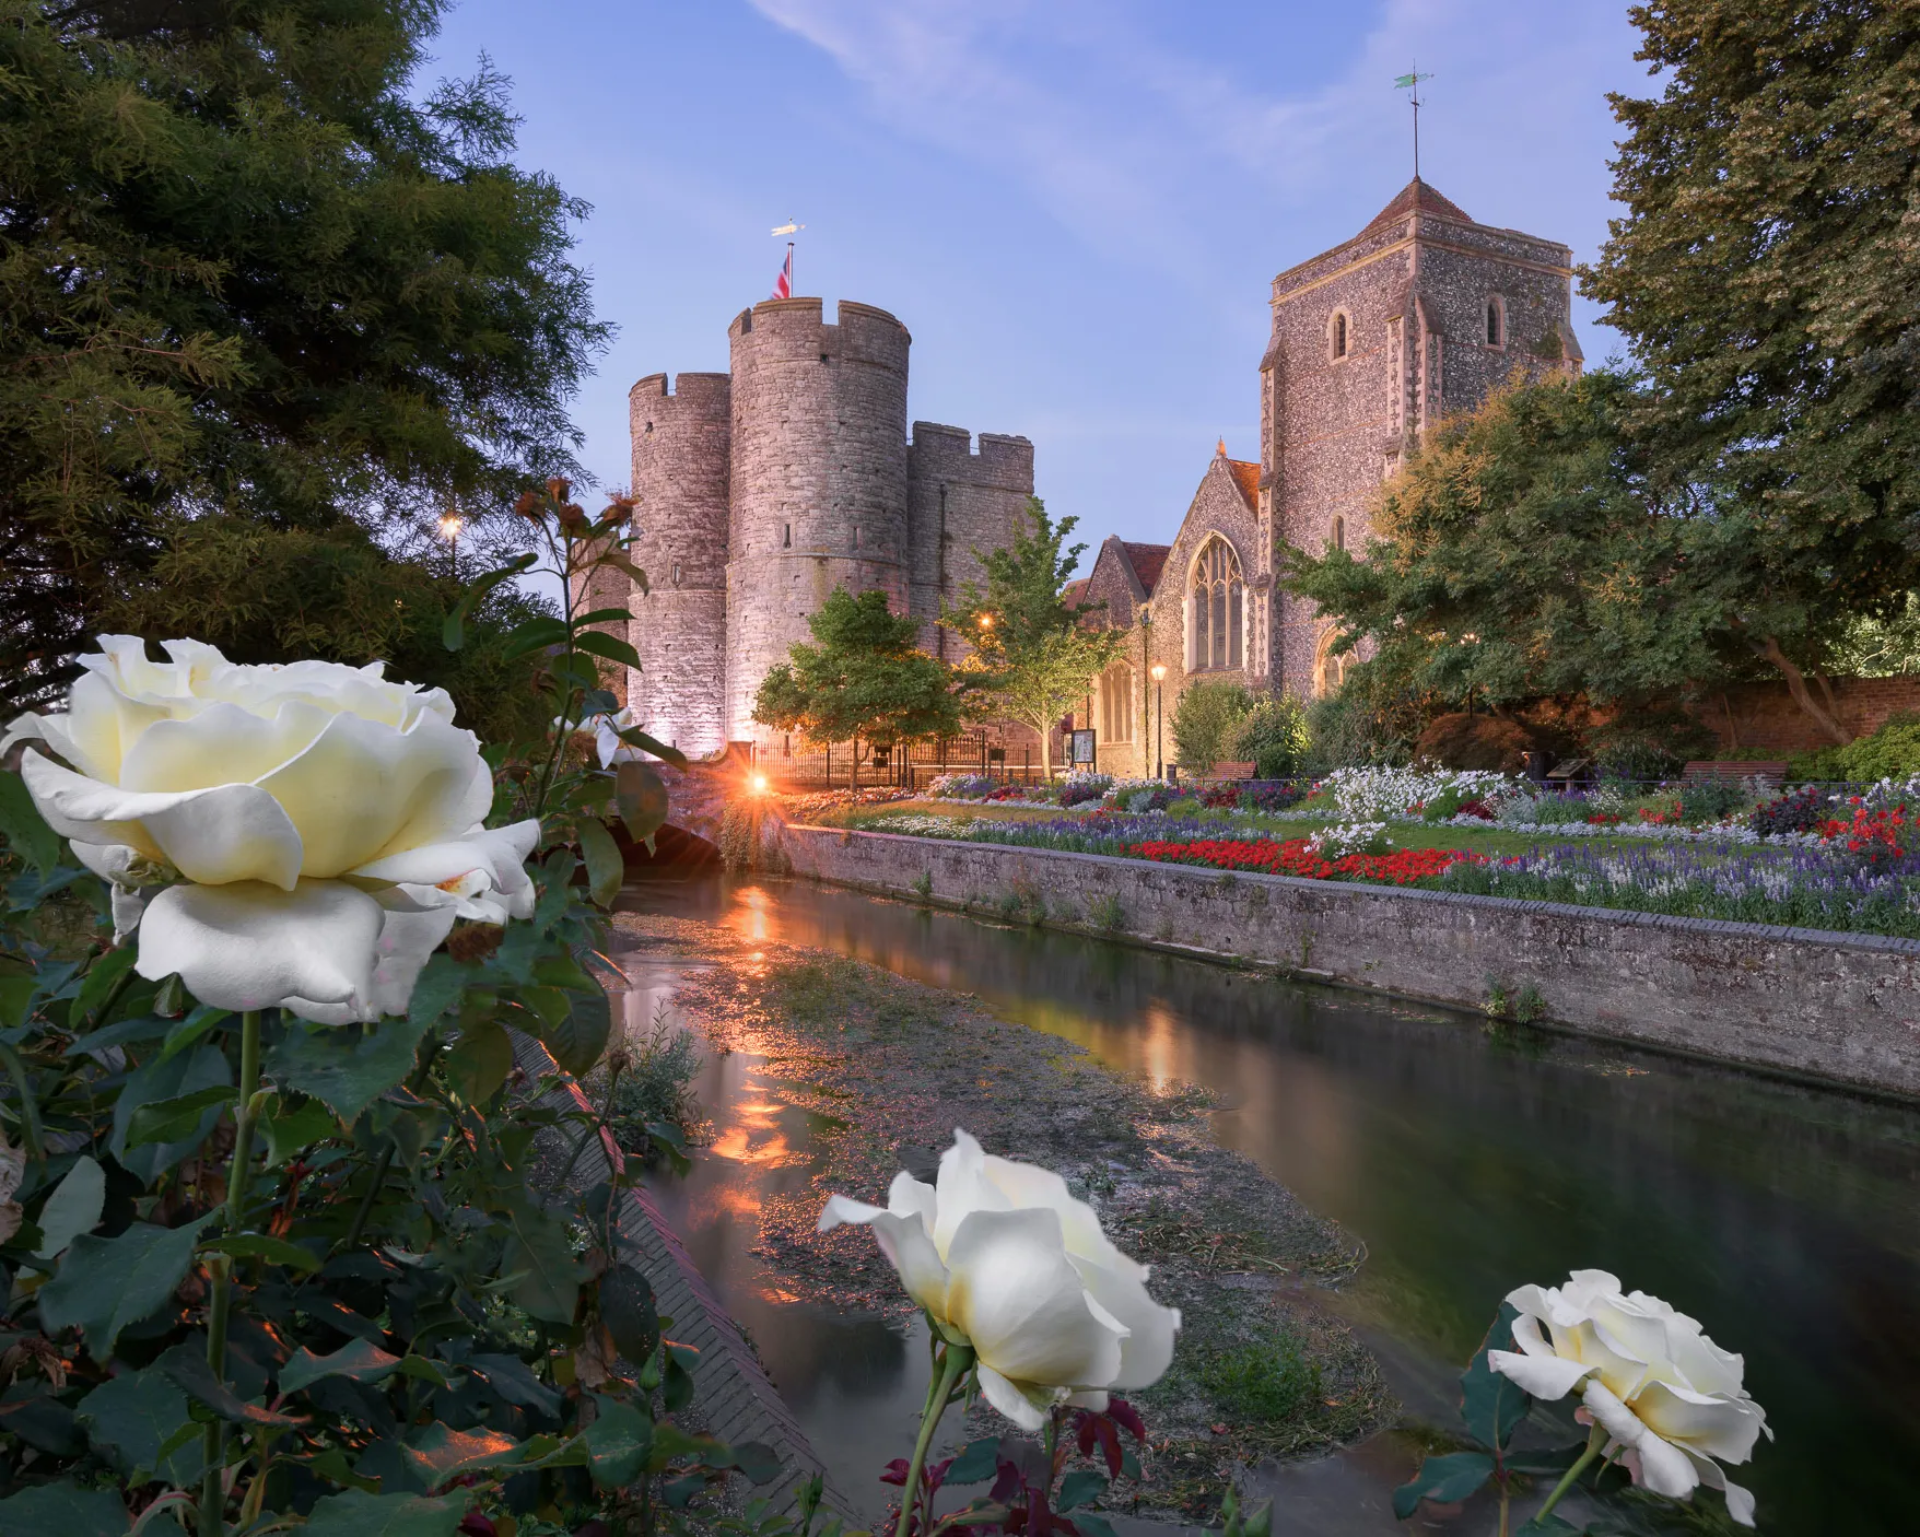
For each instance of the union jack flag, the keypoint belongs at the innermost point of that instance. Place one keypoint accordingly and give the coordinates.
(783, 284)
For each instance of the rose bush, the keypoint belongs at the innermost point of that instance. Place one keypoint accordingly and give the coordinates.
(1668, 1401)
(300, 836)
(1008, 1263)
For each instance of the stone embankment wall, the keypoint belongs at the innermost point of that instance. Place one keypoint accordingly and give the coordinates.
(1840, 1007)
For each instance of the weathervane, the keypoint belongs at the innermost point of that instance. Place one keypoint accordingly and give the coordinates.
(1411, 83)
(783, 284)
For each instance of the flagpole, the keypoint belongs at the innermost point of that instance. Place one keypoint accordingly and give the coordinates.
(1416, 161)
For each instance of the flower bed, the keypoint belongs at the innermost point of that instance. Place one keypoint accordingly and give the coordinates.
(1296, 856)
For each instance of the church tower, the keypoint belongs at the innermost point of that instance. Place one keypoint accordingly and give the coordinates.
(1421, 313)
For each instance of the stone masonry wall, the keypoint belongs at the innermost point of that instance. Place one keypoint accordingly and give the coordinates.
(1335, 426)
(819, 478)
(1845, 1008)
(680, 473)
(958, 501)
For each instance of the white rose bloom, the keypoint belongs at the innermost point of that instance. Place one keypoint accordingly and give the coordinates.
(1003, 1256)
(325, 823)
(1669, 1399)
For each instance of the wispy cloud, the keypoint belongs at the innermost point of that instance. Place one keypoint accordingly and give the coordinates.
(1106, 126)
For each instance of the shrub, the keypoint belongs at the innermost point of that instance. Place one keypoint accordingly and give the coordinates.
(1892, 752)
(1206, 723)
(1274, 738)
(1709, 800)
(1273, 797)
(1488, 742)
(656, 1088)
(1649, 745)
(1804, 811)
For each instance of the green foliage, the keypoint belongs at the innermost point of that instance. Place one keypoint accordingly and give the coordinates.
(267, 594)
(1886, 647)
(1207, 722)
(1764, 279)
(861, 677)
(1351, 728)
(252, 264)
(1274, 737)
(1033, 658)
(655, 1087)
(1265, 1381)
(1892, 752)
(292, 1268)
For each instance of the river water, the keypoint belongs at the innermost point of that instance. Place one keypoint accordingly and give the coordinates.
(1786, 1218)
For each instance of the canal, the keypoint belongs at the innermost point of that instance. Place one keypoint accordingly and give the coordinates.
(1467, 1158)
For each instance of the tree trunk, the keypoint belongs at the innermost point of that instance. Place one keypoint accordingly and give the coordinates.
(1046, 754)
(1803, 696)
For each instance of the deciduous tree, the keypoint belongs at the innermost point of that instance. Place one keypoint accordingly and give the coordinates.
(1032, 657)
(1767, 277)
(861, 677)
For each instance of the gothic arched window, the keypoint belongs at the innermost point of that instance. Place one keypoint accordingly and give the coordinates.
(1337, 335)
(1116, 703)
(1329, 670)
(1216, 598)
(1338, 539)
(1496, 321)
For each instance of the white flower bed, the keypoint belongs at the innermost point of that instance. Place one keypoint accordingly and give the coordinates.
(1363, 794)
(1346, 838)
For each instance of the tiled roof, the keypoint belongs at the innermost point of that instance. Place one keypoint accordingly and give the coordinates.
(1418, 197)
(1248, 476)
(1076, 592)
(1148, 561)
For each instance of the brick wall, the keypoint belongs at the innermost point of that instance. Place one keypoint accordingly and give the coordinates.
(1763, 714)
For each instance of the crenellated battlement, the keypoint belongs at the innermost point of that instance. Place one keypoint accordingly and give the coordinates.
(763, 489)
(796, 330)
(947, 453)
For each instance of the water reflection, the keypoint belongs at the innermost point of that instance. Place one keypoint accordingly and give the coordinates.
(1786, 1218)
(853, 1381)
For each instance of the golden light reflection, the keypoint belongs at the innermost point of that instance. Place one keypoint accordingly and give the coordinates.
(754, 925)
(1157, 1050)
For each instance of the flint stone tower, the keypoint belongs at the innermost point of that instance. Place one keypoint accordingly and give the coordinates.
(1424, 312)
(762, 490)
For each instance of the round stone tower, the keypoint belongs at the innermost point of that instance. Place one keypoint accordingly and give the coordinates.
(819, 476)
(680, 628)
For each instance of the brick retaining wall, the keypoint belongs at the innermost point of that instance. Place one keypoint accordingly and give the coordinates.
(1841, 1007)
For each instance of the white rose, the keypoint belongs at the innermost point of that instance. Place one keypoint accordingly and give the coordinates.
(1668, 1398)
(325, 823)
(1001, 1255)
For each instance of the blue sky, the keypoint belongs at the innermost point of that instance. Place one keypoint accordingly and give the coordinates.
(1075, 205)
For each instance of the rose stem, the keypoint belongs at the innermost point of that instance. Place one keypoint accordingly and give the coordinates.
(1594, 1442)
(220, 1269)
(954, 1361)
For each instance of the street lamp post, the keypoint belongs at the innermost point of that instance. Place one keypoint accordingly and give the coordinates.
(1159, 671)
(450, 525)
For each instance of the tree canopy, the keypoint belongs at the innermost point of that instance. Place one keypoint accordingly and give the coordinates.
(1032, 657)
(861, 677)
(336, 596)
(245, 266)
(1746, 496)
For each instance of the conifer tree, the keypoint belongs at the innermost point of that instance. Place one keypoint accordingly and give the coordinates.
(245, 265)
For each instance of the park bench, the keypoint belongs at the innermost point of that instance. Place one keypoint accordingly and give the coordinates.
(1728, 768)
(1230, 771)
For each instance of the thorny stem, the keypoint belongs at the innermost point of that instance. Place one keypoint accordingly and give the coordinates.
(220, 1273)
(1594, 1442)
(954, 1361)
